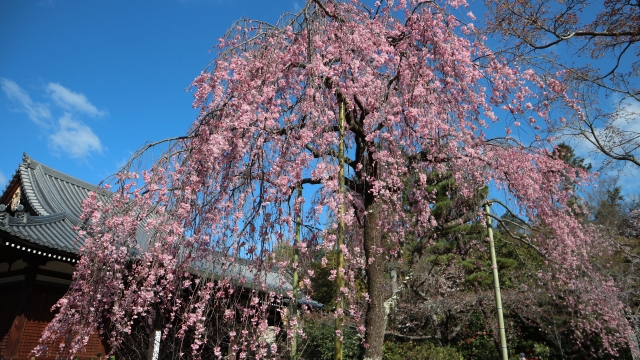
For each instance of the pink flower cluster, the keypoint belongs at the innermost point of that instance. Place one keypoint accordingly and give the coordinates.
(420, 90)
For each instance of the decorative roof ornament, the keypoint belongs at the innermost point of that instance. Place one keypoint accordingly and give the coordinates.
(15, 199)
(4, 217)
(26, 158)
(20, 214)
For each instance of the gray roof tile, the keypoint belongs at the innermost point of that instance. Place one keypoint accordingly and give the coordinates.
(56, 203)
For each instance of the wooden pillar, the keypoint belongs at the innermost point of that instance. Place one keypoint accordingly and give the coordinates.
(15, 335)
(26, 296)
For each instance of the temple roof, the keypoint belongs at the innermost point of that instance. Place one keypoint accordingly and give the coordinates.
(49, 207)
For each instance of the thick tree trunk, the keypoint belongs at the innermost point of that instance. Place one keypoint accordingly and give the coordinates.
(375, 316)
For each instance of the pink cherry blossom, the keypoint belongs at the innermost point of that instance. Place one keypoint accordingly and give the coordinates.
(420, 93)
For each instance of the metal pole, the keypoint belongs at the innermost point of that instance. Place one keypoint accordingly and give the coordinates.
(496, 285)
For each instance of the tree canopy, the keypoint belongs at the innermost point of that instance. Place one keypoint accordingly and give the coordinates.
(419, 92)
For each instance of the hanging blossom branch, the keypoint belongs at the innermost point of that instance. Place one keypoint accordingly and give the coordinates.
(190, 241)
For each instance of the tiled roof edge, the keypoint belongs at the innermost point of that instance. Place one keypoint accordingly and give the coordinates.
(15, 232)
(29, 188)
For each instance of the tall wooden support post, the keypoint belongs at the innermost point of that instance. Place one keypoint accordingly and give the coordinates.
(633, 342)
(496, 285)
(296, 278)
(340, 241)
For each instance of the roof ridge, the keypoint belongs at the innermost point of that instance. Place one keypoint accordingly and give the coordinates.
(58, 174)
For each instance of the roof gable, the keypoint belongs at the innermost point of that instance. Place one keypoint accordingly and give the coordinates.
(49, 191)
(50, 206)
(49, 211)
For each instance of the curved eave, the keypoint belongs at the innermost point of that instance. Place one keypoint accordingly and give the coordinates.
(53, 232)
(31, 189)
(49, 191)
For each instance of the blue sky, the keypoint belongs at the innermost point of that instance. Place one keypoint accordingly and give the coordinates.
(83, 84)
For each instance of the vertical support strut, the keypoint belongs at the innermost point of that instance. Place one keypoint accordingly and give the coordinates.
(504, 353)
(296, 279)
(155, 345)
(340, 240)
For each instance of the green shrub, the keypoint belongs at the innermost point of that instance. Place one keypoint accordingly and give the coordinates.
(319, 344)
(478, 346)
(417, 351)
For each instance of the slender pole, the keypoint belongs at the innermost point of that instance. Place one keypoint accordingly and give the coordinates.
(296, 279)
(633, 342)
(496, 285)
(155, 345)
(339, 278)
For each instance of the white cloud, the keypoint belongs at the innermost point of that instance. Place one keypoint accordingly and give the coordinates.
(70, 136)
(627, 179)
(3, 180)
(624, 129)
(70, 100)
(38, 113)
(628, 116)
(583, 149)
(74, 138)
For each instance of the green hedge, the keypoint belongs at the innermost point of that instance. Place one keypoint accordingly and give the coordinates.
(418, 350)
(319, 344)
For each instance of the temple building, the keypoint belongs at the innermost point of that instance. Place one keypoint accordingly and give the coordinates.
(38, 251)
(39, 248)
